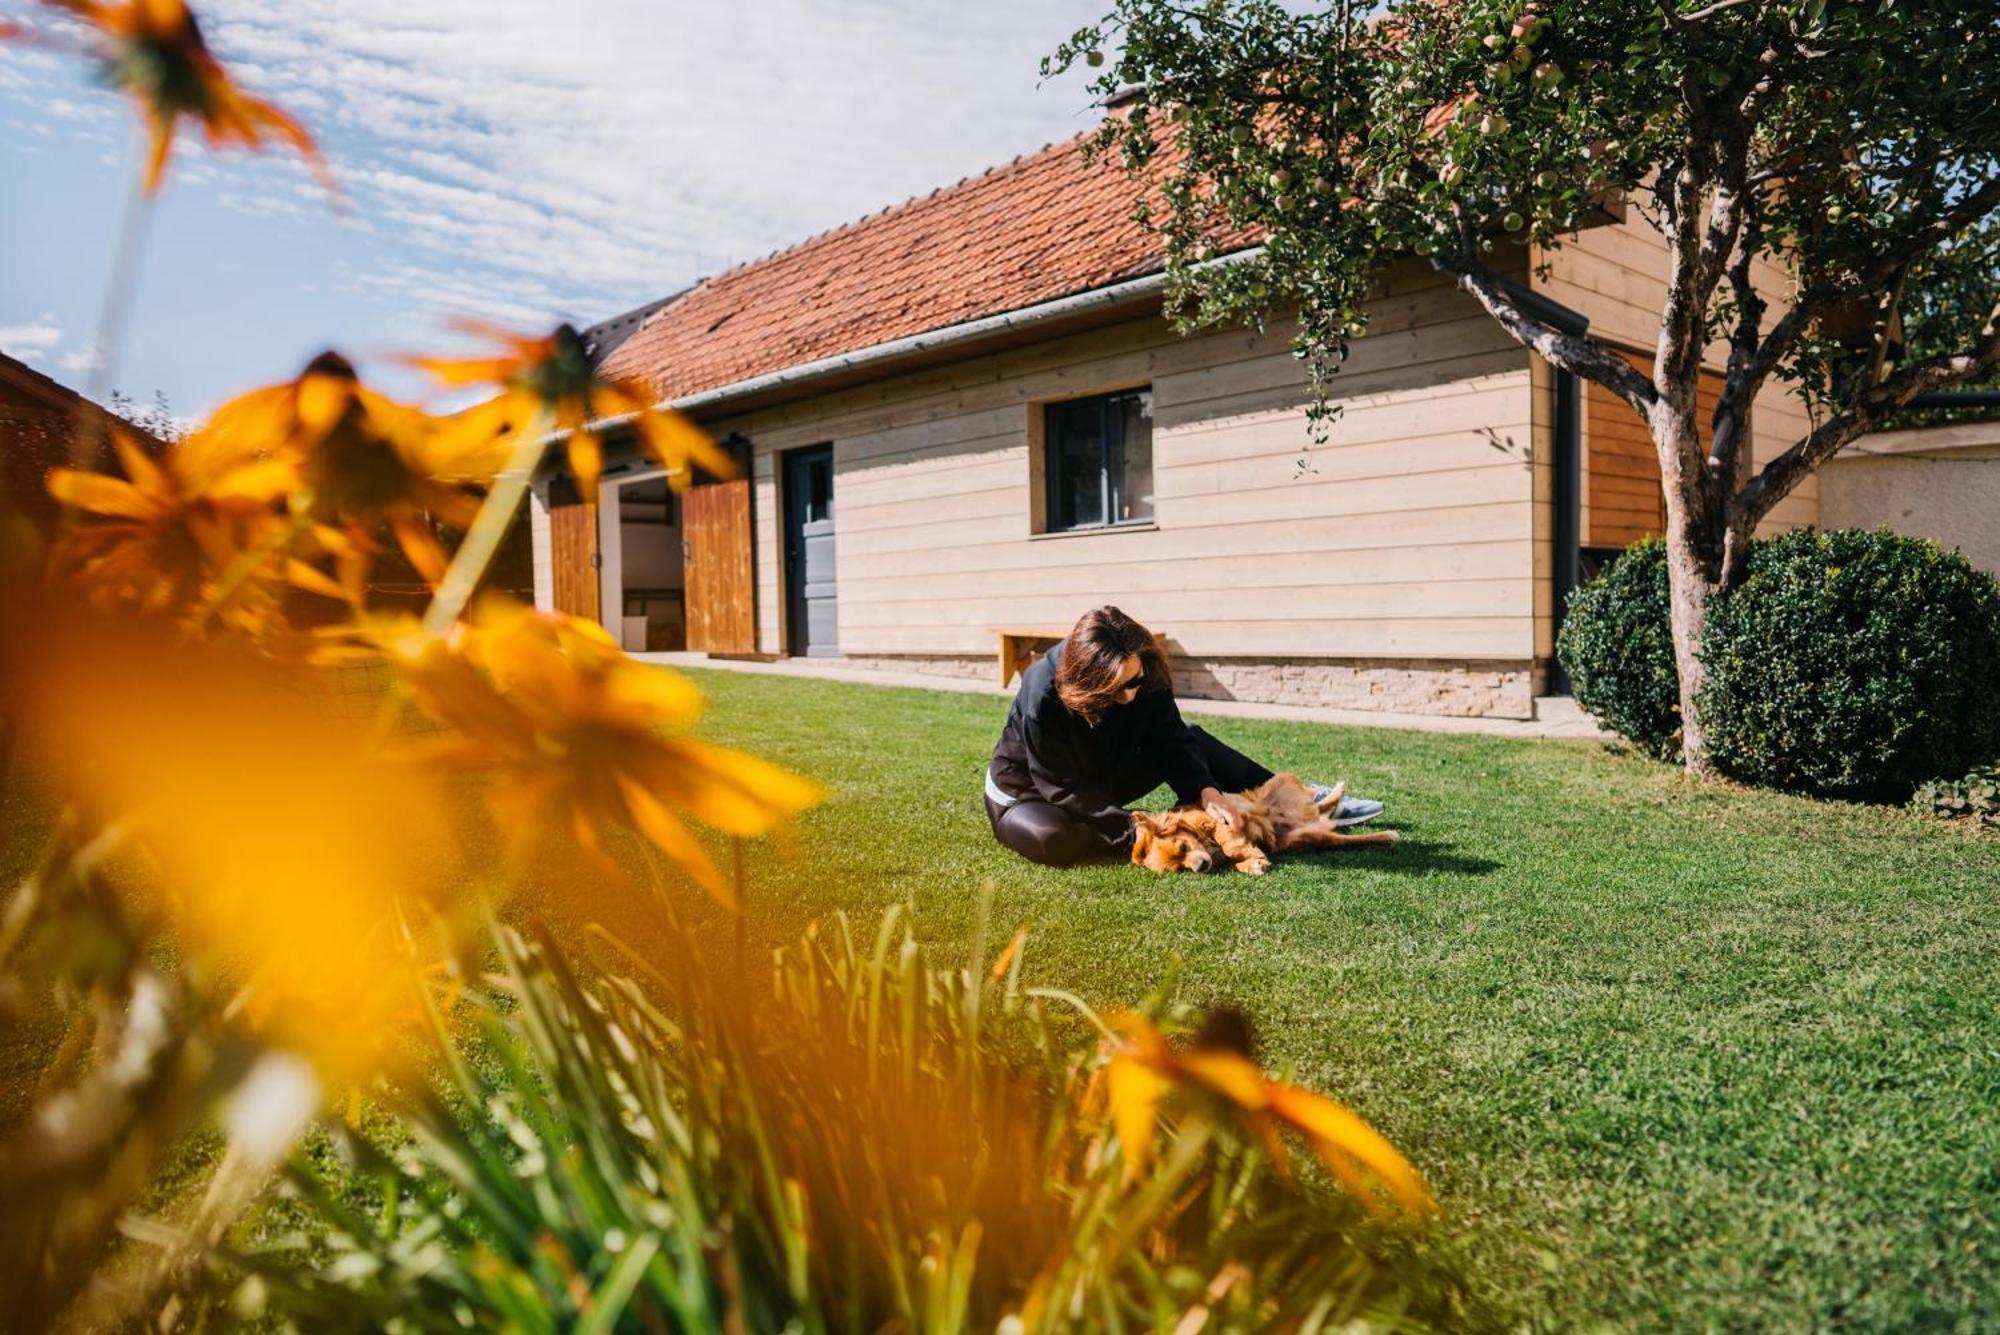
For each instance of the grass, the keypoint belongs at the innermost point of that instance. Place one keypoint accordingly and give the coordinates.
(1674, 1055)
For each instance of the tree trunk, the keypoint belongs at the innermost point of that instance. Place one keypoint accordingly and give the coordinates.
(1689, 584)
(1695, 531)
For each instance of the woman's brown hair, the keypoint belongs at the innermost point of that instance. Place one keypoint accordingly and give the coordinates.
(1093, 655)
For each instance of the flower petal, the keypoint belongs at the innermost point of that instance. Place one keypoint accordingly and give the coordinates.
(1342, 1140)
(1134, 1091)
(102, 495)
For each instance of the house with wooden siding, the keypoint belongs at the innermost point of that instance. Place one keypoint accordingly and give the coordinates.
(967, 414)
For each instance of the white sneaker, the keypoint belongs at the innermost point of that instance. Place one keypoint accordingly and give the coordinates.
(1352, 810)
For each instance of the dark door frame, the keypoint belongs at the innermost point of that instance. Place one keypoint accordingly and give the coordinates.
(792, 465)
(1567, 532)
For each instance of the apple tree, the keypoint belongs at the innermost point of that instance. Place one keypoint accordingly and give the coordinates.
(1855, 145)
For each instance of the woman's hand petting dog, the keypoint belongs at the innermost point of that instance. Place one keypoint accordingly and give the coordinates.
(1225, 809)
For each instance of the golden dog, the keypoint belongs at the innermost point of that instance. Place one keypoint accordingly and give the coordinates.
(1279, 816)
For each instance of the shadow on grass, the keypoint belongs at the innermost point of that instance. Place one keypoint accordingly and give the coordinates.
(1410, 857)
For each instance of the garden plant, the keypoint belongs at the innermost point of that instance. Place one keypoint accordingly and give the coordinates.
(279, 928)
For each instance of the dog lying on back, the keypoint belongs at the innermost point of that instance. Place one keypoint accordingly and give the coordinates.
(1279, 816)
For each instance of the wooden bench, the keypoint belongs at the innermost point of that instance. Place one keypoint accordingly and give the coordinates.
(1020, 646)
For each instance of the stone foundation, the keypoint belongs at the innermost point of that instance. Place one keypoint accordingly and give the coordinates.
(1397, 686)
(984, 667)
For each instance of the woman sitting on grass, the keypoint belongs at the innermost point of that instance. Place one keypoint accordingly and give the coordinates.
(1095, 726)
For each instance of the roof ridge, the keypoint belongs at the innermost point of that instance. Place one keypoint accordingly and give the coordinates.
(866, 218)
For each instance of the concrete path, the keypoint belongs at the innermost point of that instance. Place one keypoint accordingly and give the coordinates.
(1557, 716)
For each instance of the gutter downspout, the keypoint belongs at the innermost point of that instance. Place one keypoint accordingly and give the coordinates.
(1116, 294)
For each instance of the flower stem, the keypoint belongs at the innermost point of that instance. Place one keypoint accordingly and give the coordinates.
(482, 540)
(86, 444)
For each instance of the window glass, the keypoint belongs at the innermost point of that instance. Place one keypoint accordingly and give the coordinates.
(1135, 491)
(1099, 460)
(819, 491)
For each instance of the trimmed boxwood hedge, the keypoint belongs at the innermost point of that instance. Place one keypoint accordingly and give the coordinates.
(1617, 646)
(1853, 664)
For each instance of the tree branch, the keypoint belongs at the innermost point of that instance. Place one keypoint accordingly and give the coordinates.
(1813, 301)
(1729, 425)
(1868, 407)
(1579, 354)
(1674, 16)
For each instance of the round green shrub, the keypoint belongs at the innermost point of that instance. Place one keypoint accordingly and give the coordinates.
(1853, 664)
(1617, 646)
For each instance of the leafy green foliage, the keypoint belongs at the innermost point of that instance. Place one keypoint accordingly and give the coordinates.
(1343, 139)
(1854, 664)
(1974, 798)
(862, 1139)
(1617, 646)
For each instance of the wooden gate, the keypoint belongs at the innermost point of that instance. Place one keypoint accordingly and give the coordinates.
(715, 528)
(573, 556)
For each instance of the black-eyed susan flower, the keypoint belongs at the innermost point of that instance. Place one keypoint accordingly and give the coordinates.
(363, 461)
(1145, 1069)
(574, 735)
(161, 538)
(548, 384)
(154, 50)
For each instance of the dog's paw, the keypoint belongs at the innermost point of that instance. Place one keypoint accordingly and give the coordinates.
(1395, 836)
(1253, 866)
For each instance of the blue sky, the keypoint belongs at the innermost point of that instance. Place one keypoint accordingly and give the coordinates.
(517, 160)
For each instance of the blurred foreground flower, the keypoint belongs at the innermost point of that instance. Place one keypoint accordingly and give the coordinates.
(549, 384)
(862, 1137)
(576, 734)
(242, 908)
(1146, 1069)
(153, 49)
(160, 539)
(283, 857)
(362, 461)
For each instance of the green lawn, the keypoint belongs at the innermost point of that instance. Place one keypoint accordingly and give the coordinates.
(1674, 1056)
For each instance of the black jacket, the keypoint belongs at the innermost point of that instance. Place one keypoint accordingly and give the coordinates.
(1050, 754)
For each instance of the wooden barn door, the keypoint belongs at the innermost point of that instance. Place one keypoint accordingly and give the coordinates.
(715, 531)
(573, 556)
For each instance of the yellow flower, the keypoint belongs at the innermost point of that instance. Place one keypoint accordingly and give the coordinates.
(549, 382)
(154, 50)
(159, 538)
(291, 863)
(1145, 1069)
(576, 735)
(363, 460)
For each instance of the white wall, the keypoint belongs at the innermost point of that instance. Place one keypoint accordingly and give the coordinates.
(1941, 483)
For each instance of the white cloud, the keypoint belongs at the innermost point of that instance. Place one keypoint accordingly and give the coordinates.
(616, 151)
(532, 160)
(32, 341)
(81, 358)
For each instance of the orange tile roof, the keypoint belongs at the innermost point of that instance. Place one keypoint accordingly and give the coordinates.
(1044, 226)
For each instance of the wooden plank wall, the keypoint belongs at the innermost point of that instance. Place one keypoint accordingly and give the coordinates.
(1408, 535)
(1616, 275)
(715, 523)
(1624, 501)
